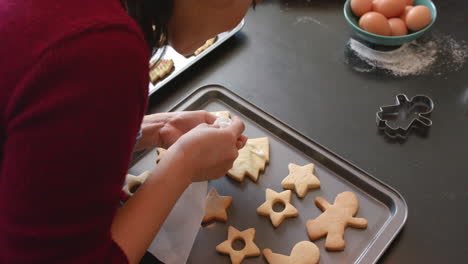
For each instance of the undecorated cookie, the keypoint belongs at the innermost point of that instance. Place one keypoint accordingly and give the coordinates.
(249, 250)
(216, 206)
(304, 252)
(335, 219)
(272, 197)
(301, 179)
(252, 159)
(207, 44)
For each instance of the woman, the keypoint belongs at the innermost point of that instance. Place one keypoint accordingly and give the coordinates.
(73, 92)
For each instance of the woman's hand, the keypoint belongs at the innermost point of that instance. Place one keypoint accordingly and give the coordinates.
(163, 129)
(208, 152)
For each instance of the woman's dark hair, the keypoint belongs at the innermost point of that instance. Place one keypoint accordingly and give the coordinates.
(153, 18)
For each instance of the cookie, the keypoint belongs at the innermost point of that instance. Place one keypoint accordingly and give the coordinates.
(335, 219)
(221, 113)
(160, 69)
(207, 44)
(216, 205)
(249, 250)
(251, 160)
(132, 182)
(300, 179)
(304, 252)
(272, 197)
(161, 152)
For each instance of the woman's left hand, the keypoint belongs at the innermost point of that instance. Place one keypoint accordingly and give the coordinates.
(163, 129)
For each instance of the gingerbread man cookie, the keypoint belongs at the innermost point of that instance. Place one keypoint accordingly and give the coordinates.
(251, 160)
(272, 197)
(216, 206)
(334, 220)
(301, 179)
(132, 181)
(304, 252)
(249, 250)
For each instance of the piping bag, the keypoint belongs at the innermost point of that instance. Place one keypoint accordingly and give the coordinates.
(173, 243)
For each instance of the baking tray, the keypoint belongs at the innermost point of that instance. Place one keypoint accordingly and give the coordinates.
(181, 63)
(380, 204)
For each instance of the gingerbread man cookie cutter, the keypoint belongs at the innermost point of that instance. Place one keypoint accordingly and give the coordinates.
(249, 250)
(398, 120)
(272, 197)
(304, 252)
(335, 219)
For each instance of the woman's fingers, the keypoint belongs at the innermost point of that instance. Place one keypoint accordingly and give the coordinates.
(237, 126)
(241, 141)
(209, 118)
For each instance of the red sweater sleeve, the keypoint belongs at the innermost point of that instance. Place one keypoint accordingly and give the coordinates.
(71, 127)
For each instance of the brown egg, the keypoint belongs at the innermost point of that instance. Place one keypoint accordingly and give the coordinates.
(405, 12)
(398, 26)
(360, 7)
(418, 18)
(376, 23)
(389, 8)
(409, 2)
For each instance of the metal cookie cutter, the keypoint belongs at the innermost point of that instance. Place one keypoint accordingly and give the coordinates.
(398, 120)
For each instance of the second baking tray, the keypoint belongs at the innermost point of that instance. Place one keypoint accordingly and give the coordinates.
(181, 63)
(381, 205)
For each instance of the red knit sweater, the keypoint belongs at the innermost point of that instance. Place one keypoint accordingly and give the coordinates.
(73, 91)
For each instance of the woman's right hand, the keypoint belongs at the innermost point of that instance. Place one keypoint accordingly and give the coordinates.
(208, 152)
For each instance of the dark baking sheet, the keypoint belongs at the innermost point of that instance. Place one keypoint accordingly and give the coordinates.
(381, 205)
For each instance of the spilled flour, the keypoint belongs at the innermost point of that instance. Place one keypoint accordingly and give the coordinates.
(309, 19)
(435, 54)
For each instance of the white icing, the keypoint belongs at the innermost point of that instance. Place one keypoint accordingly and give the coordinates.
(254, 150)
(222, 121)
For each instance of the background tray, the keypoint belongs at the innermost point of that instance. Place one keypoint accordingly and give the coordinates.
(381, 205)
(181, 63)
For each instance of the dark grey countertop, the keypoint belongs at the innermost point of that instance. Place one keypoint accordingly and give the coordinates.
(295, 69)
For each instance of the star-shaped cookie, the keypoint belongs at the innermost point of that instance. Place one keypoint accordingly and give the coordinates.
(301, 179)
(131, 181)
(249, 250)
(251, 160)
(272, 197)
(161, 153)
(216, 205)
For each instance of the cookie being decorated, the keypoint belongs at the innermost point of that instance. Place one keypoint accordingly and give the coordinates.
(252, 159)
